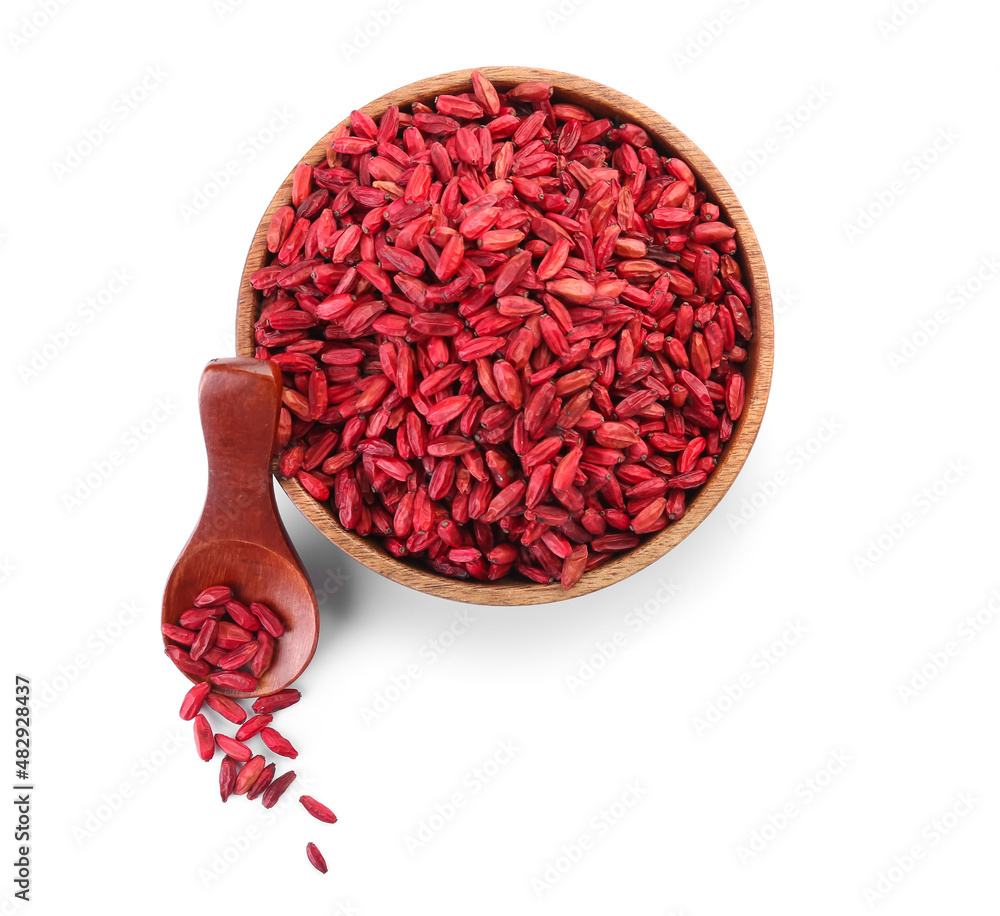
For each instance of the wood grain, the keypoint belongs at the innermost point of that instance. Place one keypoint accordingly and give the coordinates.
(669, 140)
(240, 540)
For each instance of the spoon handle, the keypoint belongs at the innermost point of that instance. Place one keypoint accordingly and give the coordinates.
(239, 401)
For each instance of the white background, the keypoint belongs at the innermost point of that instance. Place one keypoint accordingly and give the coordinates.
(862, 139)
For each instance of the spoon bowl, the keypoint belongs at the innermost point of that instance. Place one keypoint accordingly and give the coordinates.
(240, 540)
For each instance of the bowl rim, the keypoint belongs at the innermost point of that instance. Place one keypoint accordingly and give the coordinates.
(604, 100)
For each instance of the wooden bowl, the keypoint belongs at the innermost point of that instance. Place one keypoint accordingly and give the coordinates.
(669, 140)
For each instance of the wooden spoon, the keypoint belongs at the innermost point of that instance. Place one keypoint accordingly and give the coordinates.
(240, 540)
